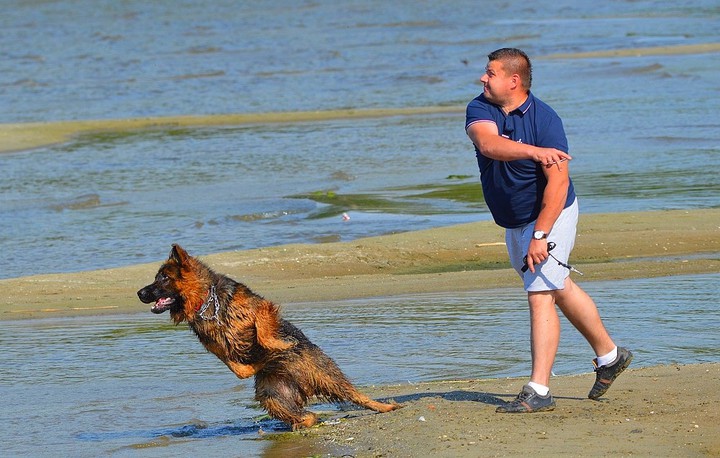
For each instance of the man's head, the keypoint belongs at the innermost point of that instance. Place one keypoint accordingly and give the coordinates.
(508, 74)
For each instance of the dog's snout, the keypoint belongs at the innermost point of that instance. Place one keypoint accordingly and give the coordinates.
(145, 295)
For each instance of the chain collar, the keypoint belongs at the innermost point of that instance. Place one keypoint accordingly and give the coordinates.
(213, 300)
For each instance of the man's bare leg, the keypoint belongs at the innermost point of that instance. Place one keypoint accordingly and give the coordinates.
(579, 308)
(544, 335)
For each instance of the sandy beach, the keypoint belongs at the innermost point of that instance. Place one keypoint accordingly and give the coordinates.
(656, 411)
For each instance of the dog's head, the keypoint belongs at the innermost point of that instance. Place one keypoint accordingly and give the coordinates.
(176, 286)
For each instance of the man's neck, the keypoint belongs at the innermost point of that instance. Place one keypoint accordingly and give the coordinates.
(515, 103)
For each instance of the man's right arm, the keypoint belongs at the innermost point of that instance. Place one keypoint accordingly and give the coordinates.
(485, 136)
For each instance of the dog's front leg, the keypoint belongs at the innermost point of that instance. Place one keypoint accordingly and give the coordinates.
(267, 327)
(242, 370)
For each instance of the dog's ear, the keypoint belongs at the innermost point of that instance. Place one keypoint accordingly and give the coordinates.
(178, 254)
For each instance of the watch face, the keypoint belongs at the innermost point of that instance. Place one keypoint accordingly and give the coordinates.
(538, 235)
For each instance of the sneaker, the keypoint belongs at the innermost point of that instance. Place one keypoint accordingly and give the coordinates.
(605, 375)
(528, 401)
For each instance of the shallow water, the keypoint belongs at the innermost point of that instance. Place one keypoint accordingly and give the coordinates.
(97, 204)
(639, 141)
(115, 385)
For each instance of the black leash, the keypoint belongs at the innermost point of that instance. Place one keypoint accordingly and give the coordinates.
(551, 245)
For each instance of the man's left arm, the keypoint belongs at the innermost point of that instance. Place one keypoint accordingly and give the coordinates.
(553, 202)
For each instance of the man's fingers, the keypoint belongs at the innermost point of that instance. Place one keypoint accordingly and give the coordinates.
(556, 162)
(531, 263)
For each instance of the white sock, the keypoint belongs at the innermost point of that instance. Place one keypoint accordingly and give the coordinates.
(607, 359)
(542, 390)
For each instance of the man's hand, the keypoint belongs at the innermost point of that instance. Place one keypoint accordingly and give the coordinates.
(537, 253)
(551, 156)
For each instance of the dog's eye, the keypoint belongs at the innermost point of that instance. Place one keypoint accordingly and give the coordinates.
(161, 277)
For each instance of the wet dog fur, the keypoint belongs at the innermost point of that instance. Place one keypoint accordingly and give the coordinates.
(246, 332)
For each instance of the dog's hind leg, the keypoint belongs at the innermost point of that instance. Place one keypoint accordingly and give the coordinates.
(283, 401)
(297, 420)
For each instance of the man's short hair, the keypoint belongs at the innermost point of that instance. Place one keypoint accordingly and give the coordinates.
(514, 61)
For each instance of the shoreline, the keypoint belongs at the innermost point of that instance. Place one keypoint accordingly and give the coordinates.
(17, 137)
(463, 257)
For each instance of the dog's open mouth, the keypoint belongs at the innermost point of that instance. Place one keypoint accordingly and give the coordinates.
(163, 304)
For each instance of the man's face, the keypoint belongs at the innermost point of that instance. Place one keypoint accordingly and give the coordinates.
(497, 82)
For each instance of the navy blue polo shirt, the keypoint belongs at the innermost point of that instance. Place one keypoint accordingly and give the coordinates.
(513, 190)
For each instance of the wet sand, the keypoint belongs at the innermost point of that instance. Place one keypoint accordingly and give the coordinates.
(700, 48)
(663, 411)
(26, 136)
(464, 257)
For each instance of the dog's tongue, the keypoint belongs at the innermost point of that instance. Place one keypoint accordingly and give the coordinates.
(162, 304)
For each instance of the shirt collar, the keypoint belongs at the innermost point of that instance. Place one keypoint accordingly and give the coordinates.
(522, 109)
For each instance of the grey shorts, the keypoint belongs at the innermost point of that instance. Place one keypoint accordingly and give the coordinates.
(549, 275)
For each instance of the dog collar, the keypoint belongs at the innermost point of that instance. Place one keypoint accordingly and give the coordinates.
(212, 299)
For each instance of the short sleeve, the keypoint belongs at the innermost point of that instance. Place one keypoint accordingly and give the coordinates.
(478, 110)
(553, 136)
(552, 133)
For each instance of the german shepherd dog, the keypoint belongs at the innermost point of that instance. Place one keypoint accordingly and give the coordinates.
(246, 332)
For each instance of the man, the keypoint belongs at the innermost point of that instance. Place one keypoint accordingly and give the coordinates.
(521, 150)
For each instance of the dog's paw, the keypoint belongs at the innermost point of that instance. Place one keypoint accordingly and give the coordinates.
(281, 344)
(289, 342)
(242, 370)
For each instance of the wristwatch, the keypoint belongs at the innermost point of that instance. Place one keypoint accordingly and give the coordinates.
(539, 235)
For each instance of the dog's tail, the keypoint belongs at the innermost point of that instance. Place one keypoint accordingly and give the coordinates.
(382, 407)
(331, 383)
